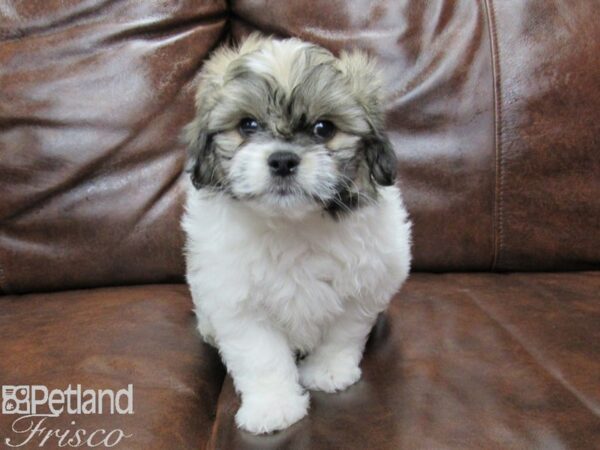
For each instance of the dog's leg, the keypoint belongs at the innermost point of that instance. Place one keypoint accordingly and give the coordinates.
(334, 364)
(264, 373)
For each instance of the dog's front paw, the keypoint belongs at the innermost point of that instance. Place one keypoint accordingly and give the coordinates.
(328, 374)
(268, 412)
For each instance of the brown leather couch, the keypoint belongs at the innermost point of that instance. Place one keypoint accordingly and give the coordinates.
(495, 115)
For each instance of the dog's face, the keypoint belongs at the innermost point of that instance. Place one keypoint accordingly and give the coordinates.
(288, 128)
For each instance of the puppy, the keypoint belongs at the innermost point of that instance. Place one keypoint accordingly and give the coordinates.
(297, 237)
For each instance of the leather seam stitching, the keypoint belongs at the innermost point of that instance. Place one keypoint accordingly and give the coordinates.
(498, 222)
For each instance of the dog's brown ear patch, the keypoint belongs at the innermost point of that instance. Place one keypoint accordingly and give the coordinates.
(381, 159)
(202, 164)
(367, 86)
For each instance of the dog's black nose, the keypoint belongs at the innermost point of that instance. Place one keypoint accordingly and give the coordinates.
(283, 164)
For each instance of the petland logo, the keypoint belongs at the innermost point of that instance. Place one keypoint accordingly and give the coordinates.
(37, 406)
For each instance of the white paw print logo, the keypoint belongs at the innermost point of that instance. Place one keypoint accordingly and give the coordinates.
(15, 400)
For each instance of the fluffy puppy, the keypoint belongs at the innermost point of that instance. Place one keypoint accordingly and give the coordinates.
(297, 237)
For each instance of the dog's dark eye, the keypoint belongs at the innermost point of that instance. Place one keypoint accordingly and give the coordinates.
(248, 126)
(323, 129)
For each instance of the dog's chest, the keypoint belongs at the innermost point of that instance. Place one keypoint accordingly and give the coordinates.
(303, 284)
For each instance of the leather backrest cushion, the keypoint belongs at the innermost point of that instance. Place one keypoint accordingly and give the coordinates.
(492, 111)
(436, 58)
(547, 55)
(93, 95)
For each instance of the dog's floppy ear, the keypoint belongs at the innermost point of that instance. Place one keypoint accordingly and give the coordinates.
(366, 82)
(381, 159)
(201, 158)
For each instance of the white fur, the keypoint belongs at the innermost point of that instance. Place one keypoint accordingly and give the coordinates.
(265, 286)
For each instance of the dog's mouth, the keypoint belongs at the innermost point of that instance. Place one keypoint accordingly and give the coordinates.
(285, 188)
(283, 192)
(289, 196)
(286, 191)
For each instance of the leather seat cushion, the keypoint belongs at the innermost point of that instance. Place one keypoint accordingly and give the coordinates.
(459, 361)
(463, 361)
(106, 339)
